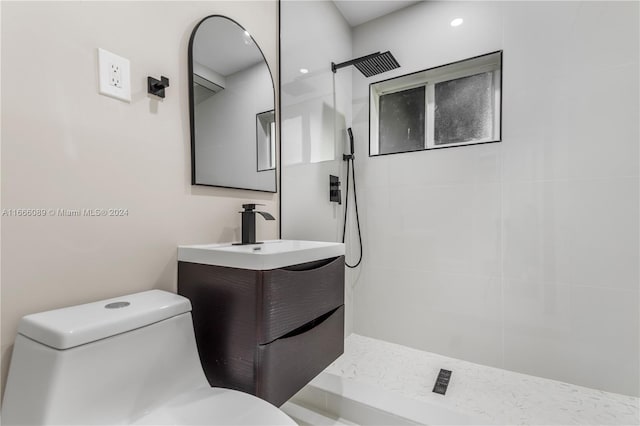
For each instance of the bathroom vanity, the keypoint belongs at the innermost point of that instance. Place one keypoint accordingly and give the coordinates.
(267, 317)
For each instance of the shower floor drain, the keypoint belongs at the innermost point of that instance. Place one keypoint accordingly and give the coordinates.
(442, 382)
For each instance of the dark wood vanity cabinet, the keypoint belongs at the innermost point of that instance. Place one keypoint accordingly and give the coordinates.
(267, 333)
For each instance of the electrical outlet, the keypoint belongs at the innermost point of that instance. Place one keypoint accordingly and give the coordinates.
(114, 75)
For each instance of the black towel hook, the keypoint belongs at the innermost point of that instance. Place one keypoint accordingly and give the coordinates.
(156, 87)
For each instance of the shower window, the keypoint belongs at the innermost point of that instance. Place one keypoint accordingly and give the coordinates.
(402, 120)
(451, 105)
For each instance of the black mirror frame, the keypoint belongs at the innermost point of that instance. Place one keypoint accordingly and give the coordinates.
(192, 106)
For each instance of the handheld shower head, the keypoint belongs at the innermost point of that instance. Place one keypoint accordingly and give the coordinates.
(350, 139)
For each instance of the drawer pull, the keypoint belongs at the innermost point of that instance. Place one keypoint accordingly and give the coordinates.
(308, 326)
(310, 266)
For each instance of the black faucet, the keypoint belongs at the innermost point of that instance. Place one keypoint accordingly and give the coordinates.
(249, 223)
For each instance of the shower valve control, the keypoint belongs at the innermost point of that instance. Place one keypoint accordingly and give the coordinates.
(335, 194)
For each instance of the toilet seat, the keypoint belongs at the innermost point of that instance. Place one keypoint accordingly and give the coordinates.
(215, 406)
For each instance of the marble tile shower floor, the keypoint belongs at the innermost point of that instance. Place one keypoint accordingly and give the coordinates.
(377, 382)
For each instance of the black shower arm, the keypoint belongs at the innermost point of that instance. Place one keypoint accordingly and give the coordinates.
(336, 67)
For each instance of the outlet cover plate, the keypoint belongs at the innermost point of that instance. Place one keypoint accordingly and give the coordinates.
(114, 75)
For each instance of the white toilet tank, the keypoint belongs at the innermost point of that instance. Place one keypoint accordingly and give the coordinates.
(108, 362)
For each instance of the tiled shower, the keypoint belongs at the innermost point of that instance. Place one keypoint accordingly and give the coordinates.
(522, 254)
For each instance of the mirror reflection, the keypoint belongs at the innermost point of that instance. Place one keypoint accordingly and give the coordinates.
(265, 140)
(232, 108)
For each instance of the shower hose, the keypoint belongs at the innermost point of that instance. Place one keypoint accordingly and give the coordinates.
(349, 160)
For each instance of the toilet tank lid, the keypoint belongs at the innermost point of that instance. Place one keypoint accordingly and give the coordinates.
(76, 325)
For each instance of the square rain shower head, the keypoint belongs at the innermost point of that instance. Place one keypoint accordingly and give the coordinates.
(370, 65)
(376, 64)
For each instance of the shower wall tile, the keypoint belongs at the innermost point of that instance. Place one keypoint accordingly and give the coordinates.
(567, 38)
(606, 346)
(441, 228)
(522, 254)
(579, 232)
(597, 27)
(474, 164)
(535, 41)
(583, 124)
(570, 91)
(538, 329)
(457, 314)
(556, 331)
(425, 224)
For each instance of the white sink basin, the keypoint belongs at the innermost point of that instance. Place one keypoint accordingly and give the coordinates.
(260, 257)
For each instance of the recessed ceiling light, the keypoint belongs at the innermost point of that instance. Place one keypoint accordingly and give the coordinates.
(456, 22)
(303, 70)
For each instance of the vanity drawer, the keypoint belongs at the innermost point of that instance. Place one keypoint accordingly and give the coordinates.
(294, 296)
(288, 364)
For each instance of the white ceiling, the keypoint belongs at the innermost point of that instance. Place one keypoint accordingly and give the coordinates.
(222, 46)
(358, 12)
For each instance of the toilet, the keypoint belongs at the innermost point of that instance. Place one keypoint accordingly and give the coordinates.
(127, 360)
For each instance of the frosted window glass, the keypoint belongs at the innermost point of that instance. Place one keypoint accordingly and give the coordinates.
(402, 116)
(464, 109)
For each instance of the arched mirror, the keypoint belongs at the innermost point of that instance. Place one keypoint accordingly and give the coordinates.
(232, 97)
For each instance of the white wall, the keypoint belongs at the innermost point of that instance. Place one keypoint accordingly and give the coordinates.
(226, 136)
(313, 34)
(521, 254)
(65, 146)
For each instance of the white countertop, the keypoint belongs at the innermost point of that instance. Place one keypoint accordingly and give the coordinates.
(271, 254)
